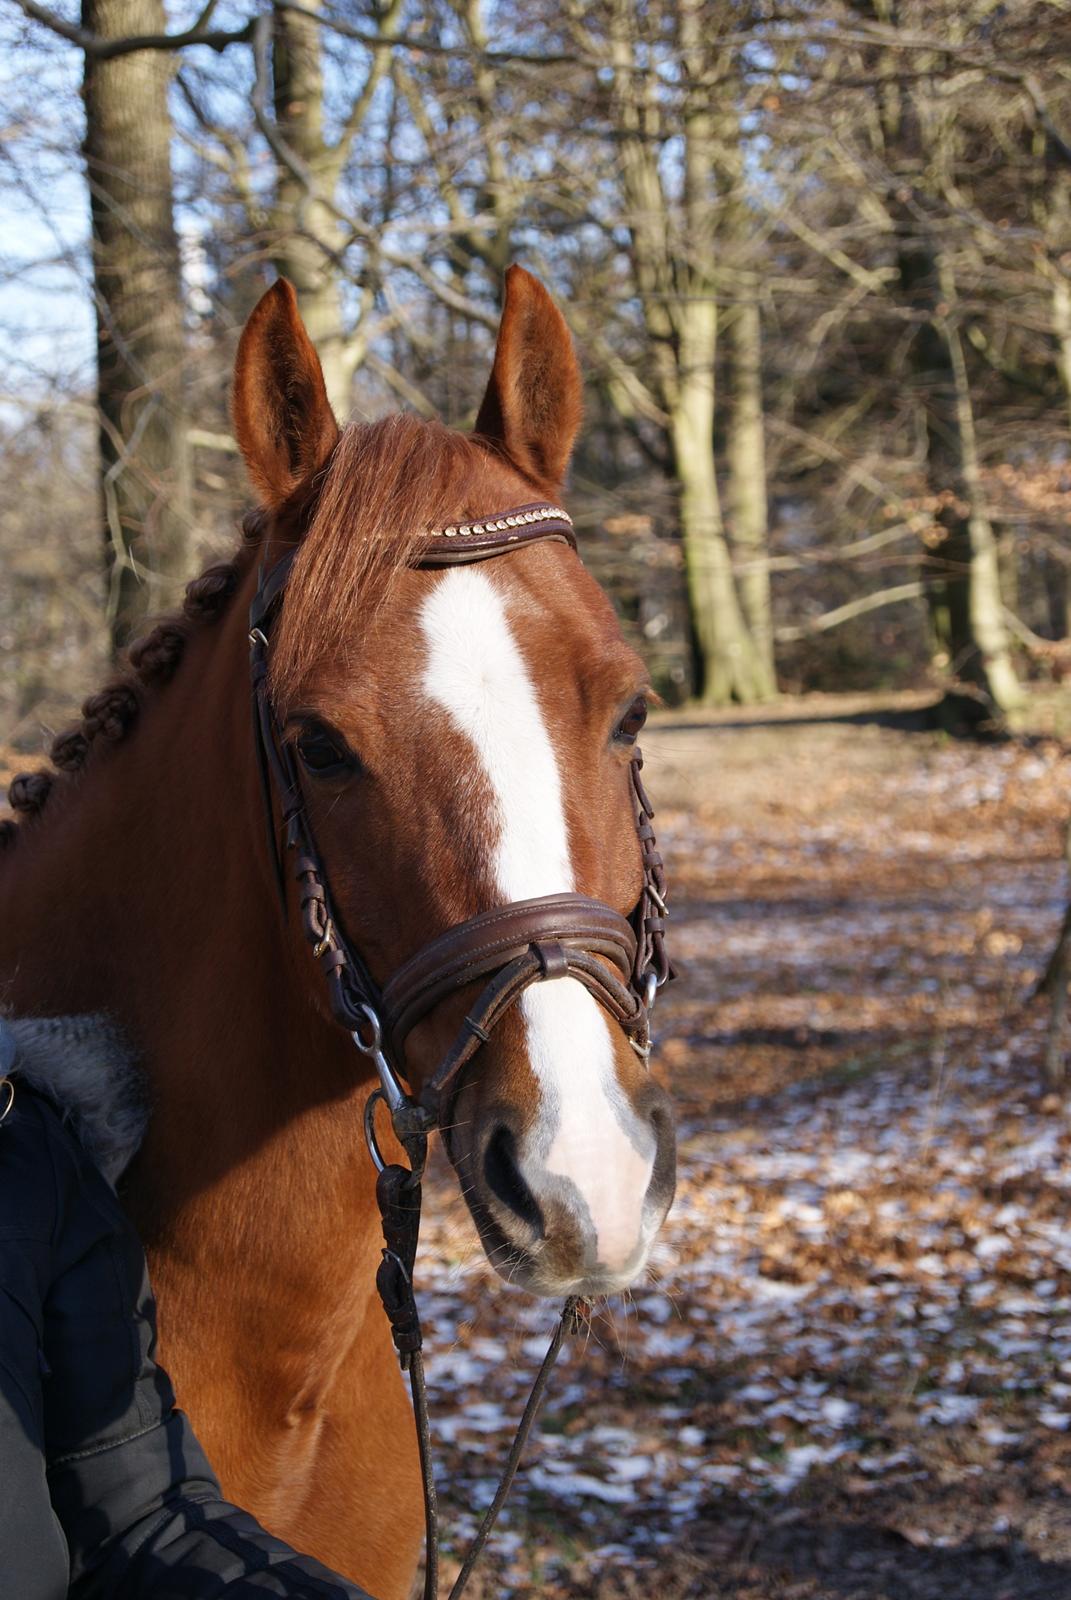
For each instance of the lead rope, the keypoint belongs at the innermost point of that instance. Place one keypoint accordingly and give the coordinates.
(574, 1317)
(399, 1194)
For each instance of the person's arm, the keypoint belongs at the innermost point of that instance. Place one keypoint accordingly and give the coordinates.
(33, 1556)
(127, 1483)
(145, 1520)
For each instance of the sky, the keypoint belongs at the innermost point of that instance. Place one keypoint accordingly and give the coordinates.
(45, 307)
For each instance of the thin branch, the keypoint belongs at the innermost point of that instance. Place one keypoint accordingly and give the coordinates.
(854, 608)
(288, 158)
(107, 49)
(834, 557)
(1028, 638)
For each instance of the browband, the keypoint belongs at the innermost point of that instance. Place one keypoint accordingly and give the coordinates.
(443, 547)
(475, 541)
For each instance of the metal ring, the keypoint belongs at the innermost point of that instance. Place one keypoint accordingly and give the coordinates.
(6, 1083)
(370, 1129)
(374, 1044)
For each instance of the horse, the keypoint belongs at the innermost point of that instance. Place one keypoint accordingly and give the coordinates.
(463, 736)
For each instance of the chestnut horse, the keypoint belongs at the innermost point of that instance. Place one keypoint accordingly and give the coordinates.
(463, 736)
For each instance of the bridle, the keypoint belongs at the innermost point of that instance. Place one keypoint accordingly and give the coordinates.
(621, 961)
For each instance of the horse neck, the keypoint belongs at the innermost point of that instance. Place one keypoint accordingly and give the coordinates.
(144, 891)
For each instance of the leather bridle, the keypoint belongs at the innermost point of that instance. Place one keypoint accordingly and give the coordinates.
(621, 961)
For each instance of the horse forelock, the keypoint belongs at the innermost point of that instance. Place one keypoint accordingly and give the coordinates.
(387, 485)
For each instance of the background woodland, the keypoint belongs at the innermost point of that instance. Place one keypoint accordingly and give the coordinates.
(816, 257)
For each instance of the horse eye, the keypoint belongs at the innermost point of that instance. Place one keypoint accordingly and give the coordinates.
(320, 752)
(628, 728)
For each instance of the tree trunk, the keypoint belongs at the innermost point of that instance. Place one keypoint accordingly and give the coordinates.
(307, 237)
(1061, 322)
(966, 609)
(746, 454)
(1058, 595)
(673, 248)
(140, 338)
(966, 599)
(1054, 984)
(981, 650)
(1059, 241)
(732, 667)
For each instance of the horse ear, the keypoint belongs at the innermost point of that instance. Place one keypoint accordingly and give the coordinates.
(531, 411)
(282, 417)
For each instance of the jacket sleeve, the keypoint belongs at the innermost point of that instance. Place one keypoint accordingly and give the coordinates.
(33, 1555)
(144, 1520)
(128, 1487)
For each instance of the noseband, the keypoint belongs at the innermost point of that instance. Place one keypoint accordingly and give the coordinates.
(621, 961)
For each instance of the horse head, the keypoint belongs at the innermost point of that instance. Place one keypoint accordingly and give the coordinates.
(462, 735)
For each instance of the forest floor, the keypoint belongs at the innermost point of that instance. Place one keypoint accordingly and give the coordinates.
(849, 1377)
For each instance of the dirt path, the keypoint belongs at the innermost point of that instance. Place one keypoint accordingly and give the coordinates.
(851, 1379)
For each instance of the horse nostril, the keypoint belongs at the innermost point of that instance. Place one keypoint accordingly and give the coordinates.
(661, 1119)
(660, 1116)
(503, 1176)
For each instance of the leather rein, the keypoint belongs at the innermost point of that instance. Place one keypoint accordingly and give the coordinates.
(621, 961)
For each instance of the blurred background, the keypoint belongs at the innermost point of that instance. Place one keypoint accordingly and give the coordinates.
(816, 258)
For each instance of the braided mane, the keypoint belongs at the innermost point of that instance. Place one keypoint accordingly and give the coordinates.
(386, 484)
(110, 713)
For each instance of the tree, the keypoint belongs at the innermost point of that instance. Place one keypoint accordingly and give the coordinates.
(817, 263)
(137, 284)
(1055, 986)
(667, 161)
(308, 230)
(919, 135)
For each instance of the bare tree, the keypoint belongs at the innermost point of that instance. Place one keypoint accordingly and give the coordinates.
(308, 229)
(1055, 986)
(138, 299)
(920, 138)
(670, 208)
(139, 305)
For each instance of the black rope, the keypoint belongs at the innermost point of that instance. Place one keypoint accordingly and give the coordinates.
(570, 1322)
(399, 1204)
(427, 1474)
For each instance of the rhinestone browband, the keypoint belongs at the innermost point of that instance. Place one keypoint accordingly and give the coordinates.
(463, 542)
(522, 518)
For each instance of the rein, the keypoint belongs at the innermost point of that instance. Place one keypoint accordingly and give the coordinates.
(621, 961)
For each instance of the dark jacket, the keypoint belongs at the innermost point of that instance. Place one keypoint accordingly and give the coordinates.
(105, 1493)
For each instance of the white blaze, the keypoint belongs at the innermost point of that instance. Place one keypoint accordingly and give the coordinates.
(475, 671)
